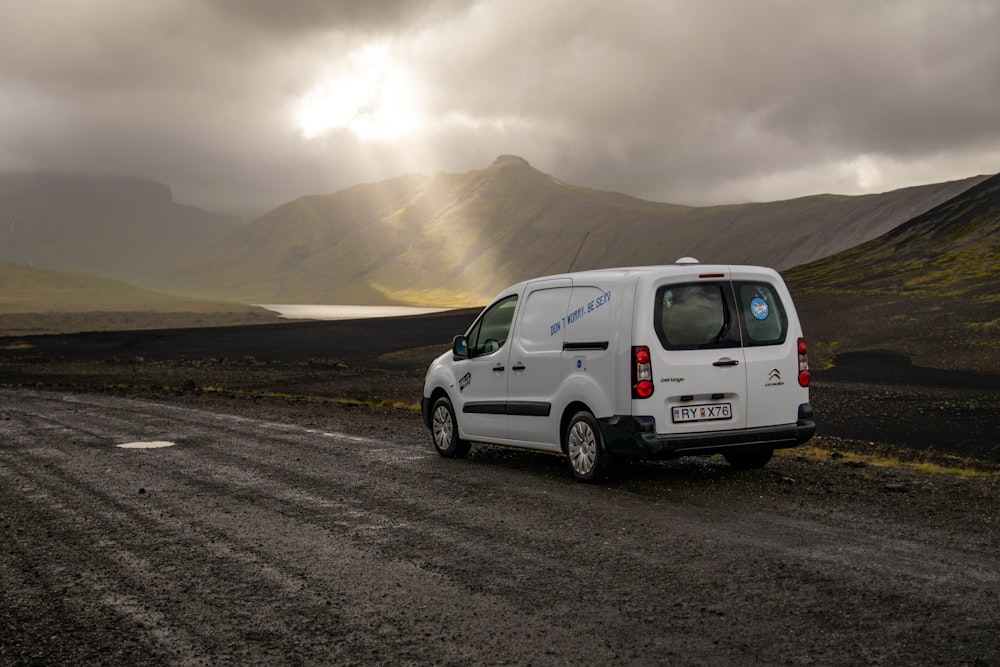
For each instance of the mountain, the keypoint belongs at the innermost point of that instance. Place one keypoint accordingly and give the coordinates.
(115, 226)
(456, 239)
(928, 289)
(444, 239)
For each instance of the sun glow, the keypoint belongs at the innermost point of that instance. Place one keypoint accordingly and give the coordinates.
(372, 96)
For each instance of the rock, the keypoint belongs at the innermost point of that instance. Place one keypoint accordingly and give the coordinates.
(895, 487)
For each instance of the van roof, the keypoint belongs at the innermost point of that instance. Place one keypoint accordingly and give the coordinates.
(662, 269)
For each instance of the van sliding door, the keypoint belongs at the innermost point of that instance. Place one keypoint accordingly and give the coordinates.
(535, 374)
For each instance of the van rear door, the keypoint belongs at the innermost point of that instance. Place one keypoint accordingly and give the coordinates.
(698, 365)
(770, 346)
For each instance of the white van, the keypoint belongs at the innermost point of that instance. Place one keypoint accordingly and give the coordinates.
(647, 362)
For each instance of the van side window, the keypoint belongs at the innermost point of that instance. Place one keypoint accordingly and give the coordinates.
(490, 333)
(695, 316)
(762, 314)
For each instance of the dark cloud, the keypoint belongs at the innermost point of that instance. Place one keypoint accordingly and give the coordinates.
(676, 101)
(303, 16)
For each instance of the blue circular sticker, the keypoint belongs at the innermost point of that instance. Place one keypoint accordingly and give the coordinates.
(759, 308)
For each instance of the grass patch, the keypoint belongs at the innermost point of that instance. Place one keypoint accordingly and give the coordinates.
(190, 387)
(991, 328)
(822, 353)
(17, 345)
(282, 396)
(964, 468)
(375, 403)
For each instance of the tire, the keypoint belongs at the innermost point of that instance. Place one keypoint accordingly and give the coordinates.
(749, 460)
(444, 430)
(586, 455)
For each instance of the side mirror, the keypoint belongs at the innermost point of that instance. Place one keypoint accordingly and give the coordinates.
(460, 347)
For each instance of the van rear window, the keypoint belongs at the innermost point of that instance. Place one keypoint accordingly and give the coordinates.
(695, 316)
(762, 314)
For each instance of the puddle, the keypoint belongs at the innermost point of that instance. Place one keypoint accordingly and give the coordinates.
(155, 444)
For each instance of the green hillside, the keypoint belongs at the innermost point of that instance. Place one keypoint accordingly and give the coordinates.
(36, 300)
(929, 289)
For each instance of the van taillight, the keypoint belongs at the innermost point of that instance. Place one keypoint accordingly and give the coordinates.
(642, 372)
(805, 377)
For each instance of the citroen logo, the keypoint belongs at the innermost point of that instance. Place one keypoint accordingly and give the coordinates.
(774, 375)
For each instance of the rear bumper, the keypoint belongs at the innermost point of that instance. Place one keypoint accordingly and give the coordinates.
(636, 437)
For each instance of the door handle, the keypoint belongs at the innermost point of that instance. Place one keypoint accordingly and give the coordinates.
(498, 368)
(517, 367)
(726, 362)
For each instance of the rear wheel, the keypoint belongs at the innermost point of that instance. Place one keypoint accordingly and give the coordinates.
(444, 430)
(749, 460)
(585, 452)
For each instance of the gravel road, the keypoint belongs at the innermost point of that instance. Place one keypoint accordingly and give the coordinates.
(300, 532)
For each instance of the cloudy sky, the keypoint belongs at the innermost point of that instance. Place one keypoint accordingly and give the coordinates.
(241, 105)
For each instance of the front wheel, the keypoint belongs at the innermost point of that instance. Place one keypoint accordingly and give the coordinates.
(444, 430)
(749, 460)
(585, 452)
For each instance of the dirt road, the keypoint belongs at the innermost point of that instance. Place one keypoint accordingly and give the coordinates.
(301, 533)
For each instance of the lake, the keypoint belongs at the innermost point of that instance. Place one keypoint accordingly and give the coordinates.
(310, 312)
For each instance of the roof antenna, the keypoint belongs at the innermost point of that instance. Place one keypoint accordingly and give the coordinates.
(578, 252)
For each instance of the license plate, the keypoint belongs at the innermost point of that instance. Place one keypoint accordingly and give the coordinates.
(702, 413)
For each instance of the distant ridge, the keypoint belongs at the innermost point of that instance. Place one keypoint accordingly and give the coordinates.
(119, 227)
